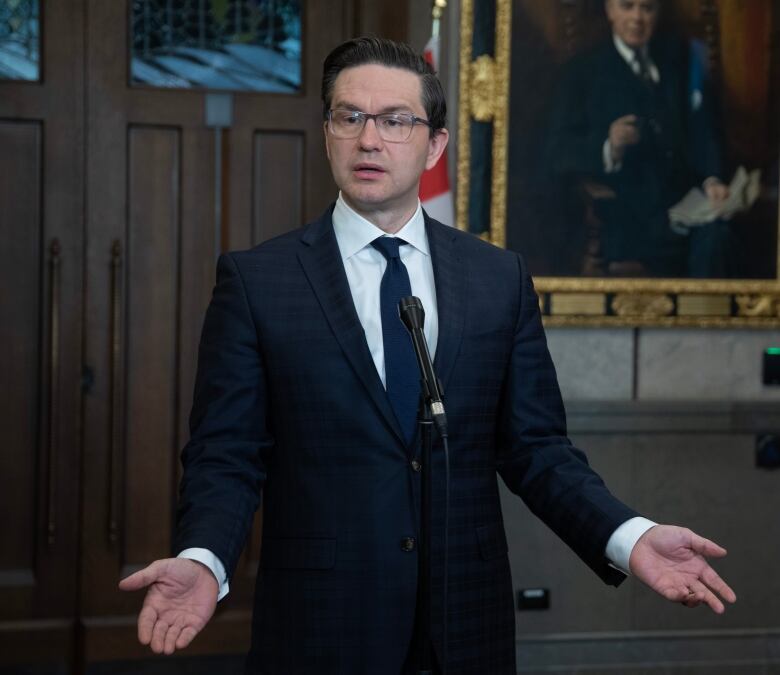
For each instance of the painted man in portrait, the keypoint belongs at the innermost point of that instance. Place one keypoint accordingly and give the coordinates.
(636, 115)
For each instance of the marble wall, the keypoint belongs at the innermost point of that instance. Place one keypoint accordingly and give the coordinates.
(661, 364)
(669, 417)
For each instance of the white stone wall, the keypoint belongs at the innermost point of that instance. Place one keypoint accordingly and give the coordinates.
(662, 364)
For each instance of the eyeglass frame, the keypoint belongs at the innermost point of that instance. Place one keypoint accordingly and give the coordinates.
(374, 116)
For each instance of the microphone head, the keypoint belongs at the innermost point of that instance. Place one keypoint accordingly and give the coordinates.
(411, 311)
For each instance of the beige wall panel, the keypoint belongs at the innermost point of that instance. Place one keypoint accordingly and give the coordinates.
(703, 364)
(710, 483)
(580, 602)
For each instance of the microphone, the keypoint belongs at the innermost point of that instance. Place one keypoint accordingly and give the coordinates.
(412, 315)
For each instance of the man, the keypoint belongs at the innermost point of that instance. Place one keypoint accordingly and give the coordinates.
(303, 393)
(636, 114)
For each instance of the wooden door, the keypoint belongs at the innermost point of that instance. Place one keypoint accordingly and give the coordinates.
(157, 177)
(41, 240)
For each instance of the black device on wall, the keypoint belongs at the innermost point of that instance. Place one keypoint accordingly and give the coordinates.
(771, 370)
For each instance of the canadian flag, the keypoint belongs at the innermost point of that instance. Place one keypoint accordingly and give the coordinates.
(435, 192)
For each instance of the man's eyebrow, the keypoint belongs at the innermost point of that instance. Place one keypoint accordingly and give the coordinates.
(400, 108)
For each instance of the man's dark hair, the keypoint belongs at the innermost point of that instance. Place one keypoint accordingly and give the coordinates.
(381, 51)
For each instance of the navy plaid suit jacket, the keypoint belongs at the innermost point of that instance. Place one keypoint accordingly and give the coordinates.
(288, 403)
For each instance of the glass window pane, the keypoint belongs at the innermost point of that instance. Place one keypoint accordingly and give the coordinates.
(239, 45)
(20, 29)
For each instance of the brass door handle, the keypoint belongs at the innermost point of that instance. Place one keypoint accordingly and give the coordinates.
(116, 393)
(54, 389)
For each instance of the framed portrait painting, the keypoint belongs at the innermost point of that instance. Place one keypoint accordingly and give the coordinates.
(628, 149)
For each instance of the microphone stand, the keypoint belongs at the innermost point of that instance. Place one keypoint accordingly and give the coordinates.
(423, 624)
(430, 413)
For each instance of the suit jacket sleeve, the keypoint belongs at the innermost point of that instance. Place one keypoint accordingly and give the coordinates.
(536, 459)
(224, 467)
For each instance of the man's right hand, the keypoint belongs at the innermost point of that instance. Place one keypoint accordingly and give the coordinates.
(622, 133)
(182, 597)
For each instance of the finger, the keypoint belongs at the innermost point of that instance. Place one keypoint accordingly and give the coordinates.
(186, 636)
(158, 637)
(171, 637)
(710, 577)
(146, 620)
(142, 578)
(706, 547)
(627, 119)
(701, 594)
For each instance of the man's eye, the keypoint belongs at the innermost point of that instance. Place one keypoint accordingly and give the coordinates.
(350, 119)
(394, 122)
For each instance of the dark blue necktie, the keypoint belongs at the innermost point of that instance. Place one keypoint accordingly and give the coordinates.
(402, 374)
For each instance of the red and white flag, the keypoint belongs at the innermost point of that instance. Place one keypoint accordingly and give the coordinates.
(435, 192)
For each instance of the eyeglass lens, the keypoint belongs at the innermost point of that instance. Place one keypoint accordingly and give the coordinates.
(392, 127)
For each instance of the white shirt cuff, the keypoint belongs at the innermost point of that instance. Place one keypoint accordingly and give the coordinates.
(610, 165)
(623, 540)
(207, 558)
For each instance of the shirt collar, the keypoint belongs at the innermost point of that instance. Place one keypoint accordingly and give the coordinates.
(625, 51)
(354, 232)
(629, 56)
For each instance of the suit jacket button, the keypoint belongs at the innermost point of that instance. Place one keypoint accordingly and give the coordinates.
(407, 544)
(416, 466)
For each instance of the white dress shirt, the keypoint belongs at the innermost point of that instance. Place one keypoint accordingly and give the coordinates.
(365, 266)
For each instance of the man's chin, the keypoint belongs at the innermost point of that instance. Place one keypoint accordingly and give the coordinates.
(365, 197)
(637, 42)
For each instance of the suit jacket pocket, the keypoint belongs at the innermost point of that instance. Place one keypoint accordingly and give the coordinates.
(305, 553)
(492, 541)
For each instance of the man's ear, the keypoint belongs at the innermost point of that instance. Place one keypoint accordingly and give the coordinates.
(436, 145)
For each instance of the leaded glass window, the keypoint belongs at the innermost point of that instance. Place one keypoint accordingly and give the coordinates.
(239, 45)
(20, 29)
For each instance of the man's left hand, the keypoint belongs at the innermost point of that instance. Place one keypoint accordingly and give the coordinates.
(716, 191)
(673, 562)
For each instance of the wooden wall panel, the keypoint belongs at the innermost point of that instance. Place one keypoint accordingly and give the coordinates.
(20, 359)
(277, 184)
(198, 255)
(153, 259)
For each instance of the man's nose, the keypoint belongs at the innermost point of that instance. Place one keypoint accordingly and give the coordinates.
(369, 136)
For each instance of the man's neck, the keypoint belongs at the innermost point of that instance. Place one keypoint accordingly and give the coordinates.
(389, 220)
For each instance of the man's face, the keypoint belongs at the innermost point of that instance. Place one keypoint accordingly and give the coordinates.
(374, 175)
(633, 21)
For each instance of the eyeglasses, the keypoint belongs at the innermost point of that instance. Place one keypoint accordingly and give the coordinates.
(391, 127)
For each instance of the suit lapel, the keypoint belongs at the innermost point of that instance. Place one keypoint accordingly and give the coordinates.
(620, 69)
(321, 262)
(450, 274)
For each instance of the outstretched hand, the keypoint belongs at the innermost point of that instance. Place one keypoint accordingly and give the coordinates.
(673, 562)
(181, 599)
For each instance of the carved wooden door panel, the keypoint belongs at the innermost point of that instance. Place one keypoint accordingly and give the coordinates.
(41, 240)
(173, 175)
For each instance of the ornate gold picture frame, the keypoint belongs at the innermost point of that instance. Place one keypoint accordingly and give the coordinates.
(483, 206)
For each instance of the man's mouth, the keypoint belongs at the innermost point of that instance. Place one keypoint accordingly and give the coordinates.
(369, 167)
(368, 171)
